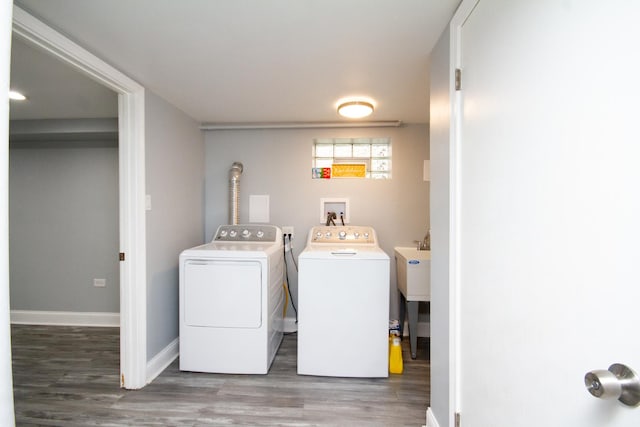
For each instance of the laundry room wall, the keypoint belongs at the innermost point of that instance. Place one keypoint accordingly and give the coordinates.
(174, 157)
(63, 223)
(277, 162)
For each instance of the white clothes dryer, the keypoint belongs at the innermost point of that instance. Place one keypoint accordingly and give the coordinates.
(231, 301)
(343, 304)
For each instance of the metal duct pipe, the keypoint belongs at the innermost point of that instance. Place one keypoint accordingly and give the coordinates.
(234, 193)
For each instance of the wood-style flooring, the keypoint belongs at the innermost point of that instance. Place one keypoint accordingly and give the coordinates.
(68, 376)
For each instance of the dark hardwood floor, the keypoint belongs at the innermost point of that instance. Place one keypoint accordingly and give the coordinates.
(68, 376)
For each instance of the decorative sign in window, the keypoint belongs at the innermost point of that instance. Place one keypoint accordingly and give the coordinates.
(352, 158)
(349, 170)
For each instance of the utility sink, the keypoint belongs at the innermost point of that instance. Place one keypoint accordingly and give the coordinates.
(414, 273)
(413, 269)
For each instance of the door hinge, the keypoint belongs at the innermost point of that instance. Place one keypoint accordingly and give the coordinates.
(457, 419)
(121, 256)
(458, 79)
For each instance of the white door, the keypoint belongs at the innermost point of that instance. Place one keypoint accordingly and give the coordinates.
(548, 223)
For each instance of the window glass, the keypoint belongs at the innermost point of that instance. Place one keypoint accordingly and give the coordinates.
(342, 150)
(375, 153)
(362, 150)
(323, 163)
(379, 165)
(380, 150)
(324, 150)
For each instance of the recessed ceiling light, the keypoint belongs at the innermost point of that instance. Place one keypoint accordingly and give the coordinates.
(16, 96)
(355, 109)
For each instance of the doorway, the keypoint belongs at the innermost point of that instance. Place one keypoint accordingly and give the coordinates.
(131, 186)
(63, 194)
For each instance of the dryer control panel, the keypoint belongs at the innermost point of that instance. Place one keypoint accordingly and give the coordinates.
(343, 235)
(246, 233)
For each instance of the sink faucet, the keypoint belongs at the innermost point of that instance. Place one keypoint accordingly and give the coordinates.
(425, 244)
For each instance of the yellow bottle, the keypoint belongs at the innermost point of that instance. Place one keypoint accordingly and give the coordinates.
(395, 356)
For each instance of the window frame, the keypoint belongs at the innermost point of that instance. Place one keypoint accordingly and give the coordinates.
(326, 160)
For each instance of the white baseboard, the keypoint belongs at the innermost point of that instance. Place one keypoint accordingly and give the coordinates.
(424, 329)
(290, 325)
(65, 318)
(163, 359)
(431, 419)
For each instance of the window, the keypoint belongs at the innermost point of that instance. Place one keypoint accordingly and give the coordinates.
(375, 153)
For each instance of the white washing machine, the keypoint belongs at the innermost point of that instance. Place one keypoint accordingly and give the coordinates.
(231, 301)
(343, 304)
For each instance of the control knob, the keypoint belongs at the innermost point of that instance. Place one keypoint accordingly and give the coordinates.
(342, 235)
(233, 233)
(327, 234)
(260, 234)
(246, 233)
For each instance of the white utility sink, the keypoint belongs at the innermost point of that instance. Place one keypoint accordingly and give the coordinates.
(414, 273)
(413, 269)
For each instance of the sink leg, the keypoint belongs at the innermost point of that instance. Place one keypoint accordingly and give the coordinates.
(402, 314)
(412, 308)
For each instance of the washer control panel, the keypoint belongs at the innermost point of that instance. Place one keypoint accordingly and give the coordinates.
(246, 233)
(342, 234)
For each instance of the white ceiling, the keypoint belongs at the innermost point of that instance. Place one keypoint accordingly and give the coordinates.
(245, 61)
(54, 89)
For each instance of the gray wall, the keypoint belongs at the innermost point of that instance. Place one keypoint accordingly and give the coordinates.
(174, 180)
(278, 163)
(63, 226)
(440, 292)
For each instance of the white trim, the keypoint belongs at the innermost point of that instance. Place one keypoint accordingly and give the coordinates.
(133, 285)
(163, 359)
(431, 419)
(133, 298)
(455, 61)
(40, 34)
(7, 417)
(66, 318)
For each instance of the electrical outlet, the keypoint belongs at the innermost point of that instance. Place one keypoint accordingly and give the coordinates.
(100, 283)
(288, 229)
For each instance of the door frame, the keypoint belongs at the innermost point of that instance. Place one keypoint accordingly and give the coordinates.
(455, 163)
(131, 161)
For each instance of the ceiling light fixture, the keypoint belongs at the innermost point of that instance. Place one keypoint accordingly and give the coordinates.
(16, 96)
(355, 109)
